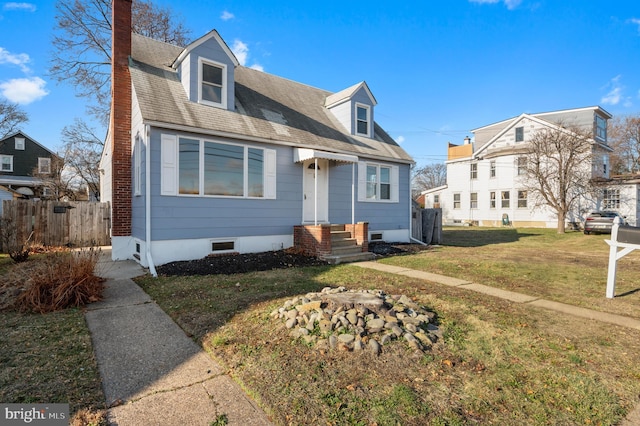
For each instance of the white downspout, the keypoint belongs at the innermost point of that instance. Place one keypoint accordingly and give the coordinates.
(147, 215)
(353, 194)
(315, 192)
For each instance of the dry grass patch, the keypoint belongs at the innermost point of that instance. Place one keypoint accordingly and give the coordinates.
(498, 363)
(569, 268)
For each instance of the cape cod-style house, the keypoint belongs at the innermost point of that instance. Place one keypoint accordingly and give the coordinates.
(206, 156)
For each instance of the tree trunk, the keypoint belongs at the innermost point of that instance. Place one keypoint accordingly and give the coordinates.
(561, 218)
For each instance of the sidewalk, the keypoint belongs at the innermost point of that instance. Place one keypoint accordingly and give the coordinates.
(152, 373)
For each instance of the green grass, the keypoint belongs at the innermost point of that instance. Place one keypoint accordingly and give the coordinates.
(48, 358)
(499, 362)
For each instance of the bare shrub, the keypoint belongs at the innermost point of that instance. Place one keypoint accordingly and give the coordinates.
(9, 241)
(56, 281)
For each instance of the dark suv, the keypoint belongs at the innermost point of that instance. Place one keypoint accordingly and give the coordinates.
(601, 222)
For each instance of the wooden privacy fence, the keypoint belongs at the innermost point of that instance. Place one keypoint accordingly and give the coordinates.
(54, 223)
(426, 224)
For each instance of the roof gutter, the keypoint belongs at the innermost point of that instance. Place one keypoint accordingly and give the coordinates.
(147, 207)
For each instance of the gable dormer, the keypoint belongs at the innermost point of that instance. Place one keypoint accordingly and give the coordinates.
(206, 69)
(353, 107)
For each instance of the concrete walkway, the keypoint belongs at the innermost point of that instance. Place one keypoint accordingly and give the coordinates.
(152, 373)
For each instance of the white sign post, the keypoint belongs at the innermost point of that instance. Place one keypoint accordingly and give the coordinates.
(628, 239)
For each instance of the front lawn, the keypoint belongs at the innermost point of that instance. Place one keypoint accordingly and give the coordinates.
(498, 362)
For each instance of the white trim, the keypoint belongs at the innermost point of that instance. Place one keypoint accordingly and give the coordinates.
(367, 108)
(211, 34)
(303, 154)
(393, 235)
(19, 146)
(394, 182)
(10, 157)
(223, 89)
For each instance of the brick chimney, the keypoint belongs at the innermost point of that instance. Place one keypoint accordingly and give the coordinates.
(120, 119)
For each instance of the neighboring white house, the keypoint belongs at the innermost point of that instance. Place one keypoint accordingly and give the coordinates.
(484, 175)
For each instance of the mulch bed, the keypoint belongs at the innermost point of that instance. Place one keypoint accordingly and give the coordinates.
(281, 259)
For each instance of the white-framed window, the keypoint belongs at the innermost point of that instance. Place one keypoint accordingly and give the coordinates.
(6, 163)
(601, 128)
(522, 199)
(44, 165)
(222, 246)
(611, 199)
(492, 169)
(492, 200)
(436, 199)
(456, 200)
(505, 197)
(215, 168)
(19, 144)
(381, 182)
(522, 166)
(473, 171)
(519, 134)
(473, 200)
(212, 83)
(363, 120)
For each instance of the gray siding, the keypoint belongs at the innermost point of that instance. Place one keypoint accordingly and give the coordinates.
(181, 217)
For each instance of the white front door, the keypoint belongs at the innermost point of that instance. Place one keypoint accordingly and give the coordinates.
(315, 206)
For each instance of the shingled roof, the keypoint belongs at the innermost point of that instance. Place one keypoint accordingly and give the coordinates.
(268, 108)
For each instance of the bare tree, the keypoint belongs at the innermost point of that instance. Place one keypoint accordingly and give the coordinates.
(558, 169)
(429, 176)
(81, 152)
(624, 138)
(82, 45)
(11, 117)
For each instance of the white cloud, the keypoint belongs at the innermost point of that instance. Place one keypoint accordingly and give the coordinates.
(241, 50)
(226, 15)
(257, 67)
(19, 59)
(24, 90)
(511, 4)
(29, 7)
(635, 21)
(400, 140)
(614, 95)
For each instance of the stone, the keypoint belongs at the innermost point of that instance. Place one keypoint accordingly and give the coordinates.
(292, 313)
(352, 317)
(374, 346)
(411, 327)
(291, 322)
(333, 341)
(375, 324)
(409, 337)
(385, 339)
(303, 331)
(309, 306)
(358, 345)
(346, 338)
(397, 330)
(325, 326)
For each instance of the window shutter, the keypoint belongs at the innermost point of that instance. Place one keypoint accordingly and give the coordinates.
(395, 184)
(362, 181)
(169, 165)
(270, 174)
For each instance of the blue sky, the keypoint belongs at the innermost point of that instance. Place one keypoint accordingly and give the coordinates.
(437, 69)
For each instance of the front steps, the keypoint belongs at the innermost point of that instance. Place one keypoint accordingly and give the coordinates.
(345, 249)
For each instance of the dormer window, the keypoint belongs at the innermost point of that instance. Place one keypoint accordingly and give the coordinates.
(212, 83)
(363, 113)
